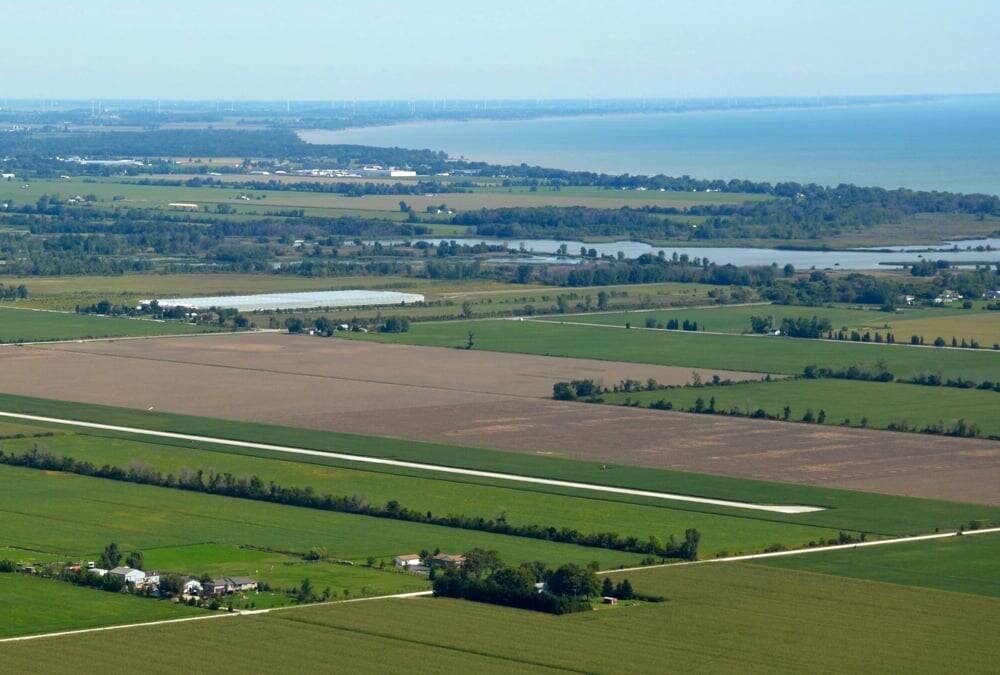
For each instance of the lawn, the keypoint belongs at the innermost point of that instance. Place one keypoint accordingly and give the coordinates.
(76, 516)
(880, 403)
(972, 324)
(734, 352)
(34, 605)
(968, 564)
(25, 325)
(718, 618)
(847, 510)
(521, 504)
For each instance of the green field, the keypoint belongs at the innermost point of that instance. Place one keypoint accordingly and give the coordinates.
(76, 516)
(971, 324)
(846, 510)
(880, 402)
(520, 504)
(718, 618)
(34, 605)
(734, 352)
(24, 325)
(968, 564)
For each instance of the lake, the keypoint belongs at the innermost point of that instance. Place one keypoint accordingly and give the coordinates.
(951, 144)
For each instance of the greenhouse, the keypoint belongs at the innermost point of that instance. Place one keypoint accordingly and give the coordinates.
(310, 300)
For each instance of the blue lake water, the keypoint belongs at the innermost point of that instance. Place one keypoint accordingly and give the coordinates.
(951, 144)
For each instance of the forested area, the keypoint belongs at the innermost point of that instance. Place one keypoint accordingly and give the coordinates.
(803, 212)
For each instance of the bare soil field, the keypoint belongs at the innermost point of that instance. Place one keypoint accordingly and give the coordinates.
(490, 400)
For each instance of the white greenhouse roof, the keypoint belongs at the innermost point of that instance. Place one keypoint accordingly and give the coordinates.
(264, 301)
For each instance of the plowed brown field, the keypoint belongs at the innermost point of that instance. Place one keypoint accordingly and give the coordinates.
(484, 399)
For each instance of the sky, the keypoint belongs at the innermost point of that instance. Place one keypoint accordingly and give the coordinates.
(407, 49)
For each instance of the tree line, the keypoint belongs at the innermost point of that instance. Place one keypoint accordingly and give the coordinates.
(255, 488)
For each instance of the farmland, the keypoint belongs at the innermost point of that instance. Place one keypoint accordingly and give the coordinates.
(776, 355)
(521, 505)
(444, 396)
(158, 196)
(848, 510)
(23, 325)
(844, 402)
(32, 605)
(961, 564)
(66, 518)
(307, 455)
(929, 323)
(889, 627)
(444, 298)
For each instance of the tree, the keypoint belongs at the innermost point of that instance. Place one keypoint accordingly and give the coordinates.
(563, 391)
(472, 340)
(294, 325)
(570, 579)
(607, 588)
(761, 324)
(625, 590)
(111, 556)
(171, 585)
(467, 309)
(305, 592)
(602, 300)
(478, 561)
(135, 560)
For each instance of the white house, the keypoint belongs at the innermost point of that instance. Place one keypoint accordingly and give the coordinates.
(129, 575)
(407, 560)
(992, 295)
(7, 176)
(191, 587)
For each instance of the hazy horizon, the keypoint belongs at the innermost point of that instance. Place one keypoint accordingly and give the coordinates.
(307, 50)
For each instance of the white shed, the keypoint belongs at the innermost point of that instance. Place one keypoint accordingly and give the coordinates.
(407, 560)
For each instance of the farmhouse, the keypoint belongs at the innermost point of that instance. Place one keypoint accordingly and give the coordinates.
(449, 560)
(992, 295)
(183, 206)
(229, 585)
(191, 588)
(129, 575)
(407, 560)
(242, 584)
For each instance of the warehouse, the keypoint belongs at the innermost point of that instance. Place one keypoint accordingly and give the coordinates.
(311, 300)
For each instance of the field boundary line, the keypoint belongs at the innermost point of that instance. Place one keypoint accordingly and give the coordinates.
(367, 459)
(814, 549)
